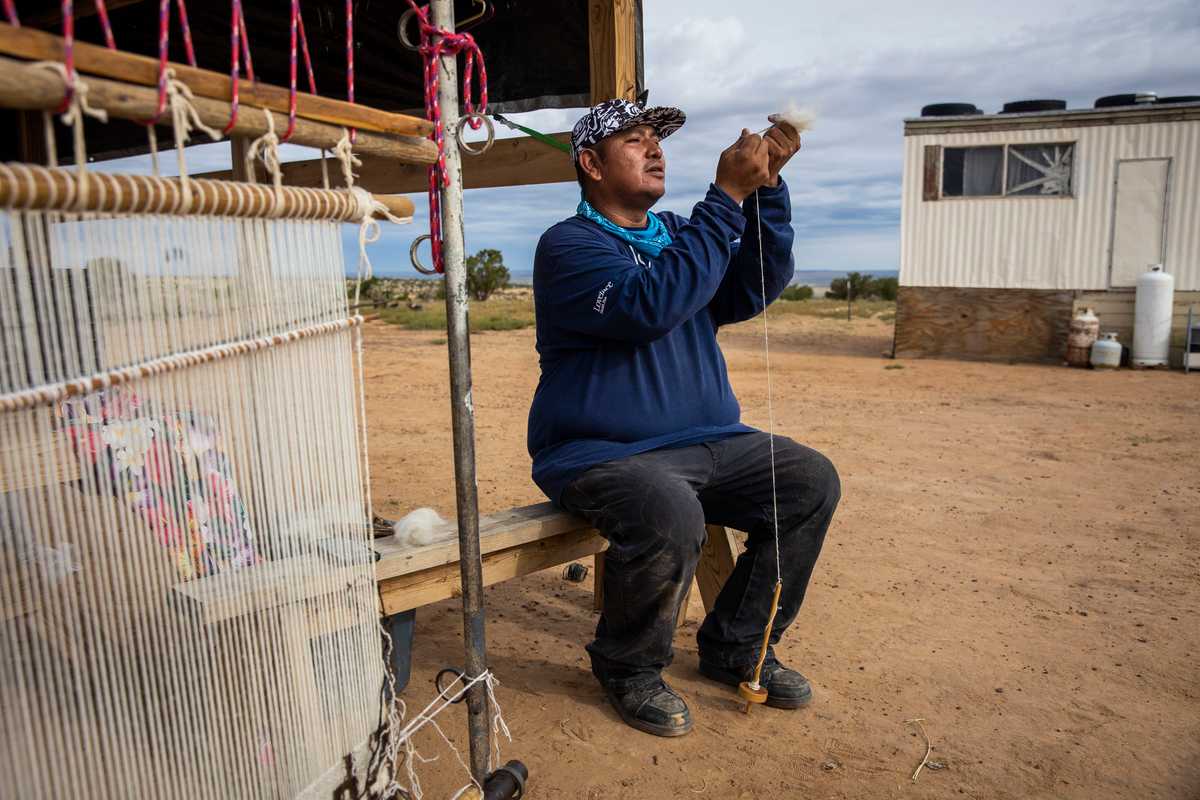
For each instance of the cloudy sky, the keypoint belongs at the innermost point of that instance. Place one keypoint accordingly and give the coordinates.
(864, 66)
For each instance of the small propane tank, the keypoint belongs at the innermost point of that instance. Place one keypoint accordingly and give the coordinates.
(1106, 352)
(1152, 310)
(1085, 329)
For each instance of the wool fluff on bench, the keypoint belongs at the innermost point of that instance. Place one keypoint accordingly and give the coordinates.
(421, 527)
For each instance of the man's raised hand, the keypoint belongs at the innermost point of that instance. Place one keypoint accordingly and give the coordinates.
(783, 142)
(744, 166)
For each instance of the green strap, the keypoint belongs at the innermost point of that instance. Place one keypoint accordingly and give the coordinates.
(541, 137)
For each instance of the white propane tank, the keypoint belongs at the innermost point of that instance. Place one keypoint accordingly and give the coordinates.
(1106, 352)
(1152, 317)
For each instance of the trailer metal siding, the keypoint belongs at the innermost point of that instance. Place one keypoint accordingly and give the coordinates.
(1048, 243)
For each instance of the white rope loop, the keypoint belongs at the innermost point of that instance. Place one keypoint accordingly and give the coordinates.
(266, 147)
(344, 152)
(184, 118)
(77, 110)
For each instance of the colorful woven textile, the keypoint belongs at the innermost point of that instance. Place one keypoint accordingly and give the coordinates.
(168, 467)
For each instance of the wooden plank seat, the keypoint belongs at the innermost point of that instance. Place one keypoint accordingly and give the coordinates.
(518, 542)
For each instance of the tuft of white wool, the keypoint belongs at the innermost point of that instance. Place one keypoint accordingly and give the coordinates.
(799, 118)
(421, 527)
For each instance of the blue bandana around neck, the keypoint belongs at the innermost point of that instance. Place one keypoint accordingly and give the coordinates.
(651, 240)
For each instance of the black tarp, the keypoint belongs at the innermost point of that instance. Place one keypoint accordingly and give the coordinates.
(536, 53)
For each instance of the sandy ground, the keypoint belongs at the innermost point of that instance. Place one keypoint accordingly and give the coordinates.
(1014, 561)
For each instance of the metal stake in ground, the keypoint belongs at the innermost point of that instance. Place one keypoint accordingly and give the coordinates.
(462, 411)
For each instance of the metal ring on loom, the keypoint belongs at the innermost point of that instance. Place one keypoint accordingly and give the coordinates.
(416, 260)
(491, 134)
(437, 682)
(402, 30)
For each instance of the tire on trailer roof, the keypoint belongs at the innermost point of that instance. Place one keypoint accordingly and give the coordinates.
(1127, 99)
(949, 110)
(1026, 106)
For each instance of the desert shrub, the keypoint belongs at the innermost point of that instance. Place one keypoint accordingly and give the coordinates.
(797, 293)
(486, 273)
(862, 287)
(885, 288)
(857, 284)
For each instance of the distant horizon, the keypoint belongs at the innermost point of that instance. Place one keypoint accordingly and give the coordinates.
(815, 277)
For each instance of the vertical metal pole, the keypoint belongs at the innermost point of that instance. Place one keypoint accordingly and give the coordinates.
(462, 410)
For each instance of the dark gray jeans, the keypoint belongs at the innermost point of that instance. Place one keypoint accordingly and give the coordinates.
(653, 507)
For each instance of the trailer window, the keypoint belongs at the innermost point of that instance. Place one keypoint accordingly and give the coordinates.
(1013, 170)
(1043, 169)
(973, 172)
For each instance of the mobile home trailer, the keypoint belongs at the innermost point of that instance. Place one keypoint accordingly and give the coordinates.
(1012, 221)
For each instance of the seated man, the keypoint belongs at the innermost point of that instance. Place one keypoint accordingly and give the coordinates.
(634, 425)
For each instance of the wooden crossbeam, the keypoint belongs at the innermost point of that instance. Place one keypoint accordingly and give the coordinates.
(27, 86)
(132, 68)
(520, 161)
(612, 45)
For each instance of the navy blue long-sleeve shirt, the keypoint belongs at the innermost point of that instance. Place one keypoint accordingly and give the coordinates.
(628, 343)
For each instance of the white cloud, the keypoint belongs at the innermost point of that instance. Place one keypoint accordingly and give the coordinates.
(866, 66)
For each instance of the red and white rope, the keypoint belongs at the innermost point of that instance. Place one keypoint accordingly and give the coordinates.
(435, 43)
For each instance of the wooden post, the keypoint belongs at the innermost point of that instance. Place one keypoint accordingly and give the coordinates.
(612, 45)
(238, 145)
(681, 617)
(717, 557)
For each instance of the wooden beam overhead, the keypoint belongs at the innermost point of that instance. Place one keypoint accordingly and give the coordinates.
(520, 161)
(612, 40)
(132, 68)
(26, 86)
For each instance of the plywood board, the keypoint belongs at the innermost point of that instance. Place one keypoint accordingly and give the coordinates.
(984, 324)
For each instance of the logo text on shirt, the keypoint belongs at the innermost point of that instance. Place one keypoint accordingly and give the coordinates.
(602, 298)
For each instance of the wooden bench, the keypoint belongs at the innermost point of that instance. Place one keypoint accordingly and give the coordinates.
(519, 542)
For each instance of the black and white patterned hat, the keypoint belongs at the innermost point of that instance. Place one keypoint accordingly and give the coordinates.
(614, 116)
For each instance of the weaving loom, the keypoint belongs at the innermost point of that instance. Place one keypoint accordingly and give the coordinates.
(188, 600)
(168, 361)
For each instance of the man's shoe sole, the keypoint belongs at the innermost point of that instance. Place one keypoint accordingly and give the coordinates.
(721, 676)
(643, 726)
